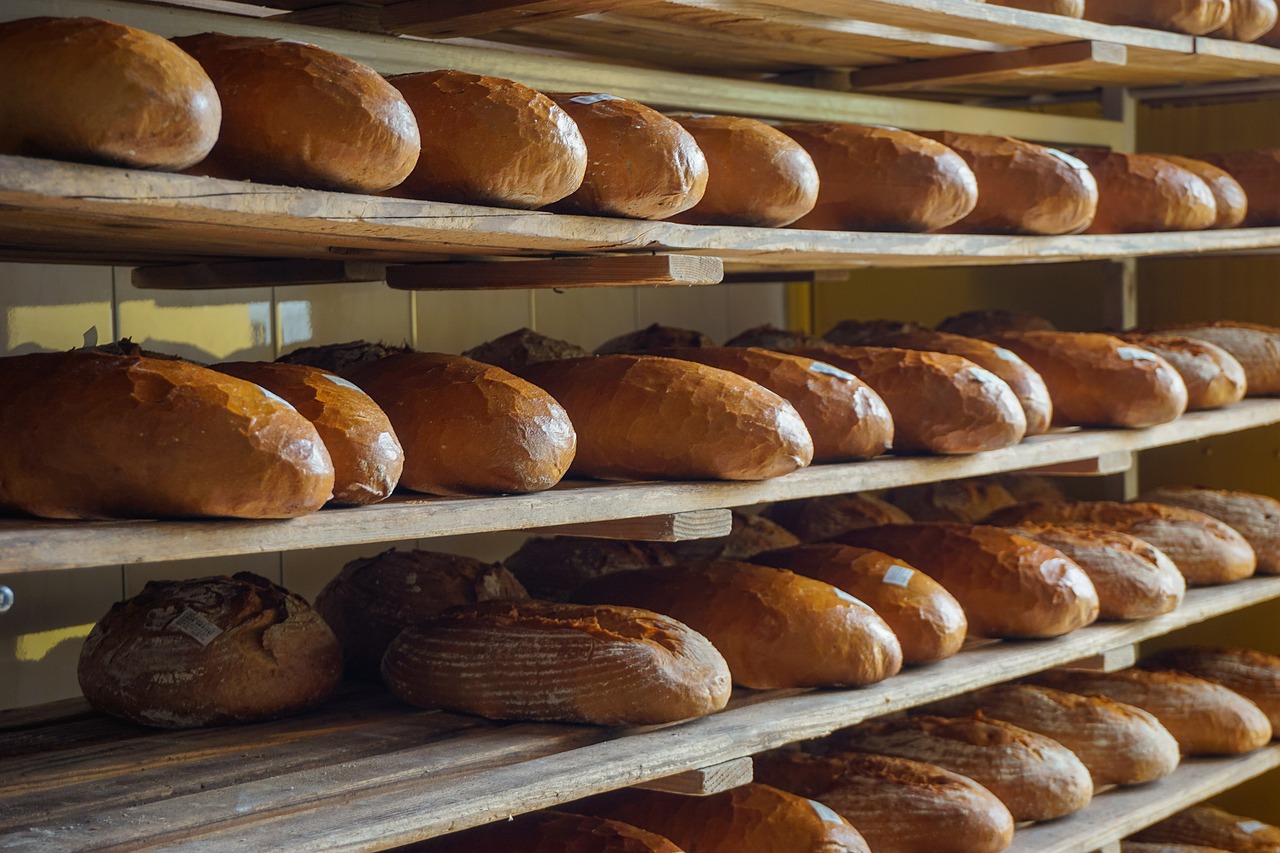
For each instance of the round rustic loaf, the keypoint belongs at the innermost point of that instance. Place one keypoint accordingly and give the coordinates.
(1250, 20)
(1255, 517)
(1228, 195)
(1216, 828)
(1214, 378)
(821, 518)
(1195, 17)
(523, 347)
(548, 832)
(1254, 675)
(1255, 346)
(1144, 192)
(209, 651)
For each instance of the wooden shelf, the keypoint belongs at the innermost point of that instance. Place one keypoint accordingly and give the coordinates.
(34, 545)
(366, 773)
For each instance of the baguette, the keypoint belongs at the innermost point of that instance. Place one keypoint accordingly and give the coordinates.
(1254, 675)
(548, 832)
(1194, 17)
(1145, 192)
(1214, 378)
(818, 519)
(1258, 171)
(1256, 347)
(1255, 517)
(1228, 195)
(1214, 827)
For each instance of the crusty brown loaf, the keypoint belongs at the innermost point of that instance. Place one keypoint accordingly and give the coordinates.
(967, 501)
(367, 457)
(1205, 718)
(758, 176)
(1255, 517)
(375, 598)
(643, 417)
(899, 805)
(640, 164)
(771, 337)
(293, 113)
(1099, 380)
(1228, 195)
(208, 652)
(1145, 847)
(817, 519)
(1254, 675)
(341, 358)
(1023, 188)
(1215, 828)
(1195, 17)
(1258, 171)
(548, 832)
(1250, 20)
(1067, 8)
(1213, 376)
(927, 620)
(655, 336)
(91, 435)
(487, 140)
(537, 660)
(883, 179)
(521, 348)
(1008, 585)
(1255, 346)
(1144, 192)
(844, 416)
(1204, 549)
(1035, 777)
(469, 428)
(1134, 579)
(774, 627)
(982, 322)
(1029, 387)
(552, 567)
(96, 91)
(1119, 744)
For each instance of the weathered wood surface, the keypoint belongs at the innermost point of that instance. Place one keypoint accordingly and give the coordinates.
(705, 781)
(671, 527)
(558, 273)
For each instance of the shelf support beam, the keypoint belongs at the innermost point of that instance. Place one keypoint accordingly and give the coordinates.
(1053, 61)
(706, 781)
(231, 274)
(674, 527)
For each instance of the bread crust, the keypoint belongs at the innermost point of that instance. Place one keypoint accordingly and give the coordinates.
(966, 501)
(1255, 517)
(549, 832)
(1145, 192)
(1213, 376)
(1214, 827)
(1253, 674)
(1228, 195)
(1255, 346)
(552, 567)
(1194, 17)
(1250, 20)
(822, 518)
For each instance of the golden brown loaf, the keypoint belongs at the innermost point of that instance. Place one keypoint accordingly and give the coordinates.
(1067, 8)
(817, 519)
(1120, 744)
(167, 438)
(1212, 375)
(883, 179)
(643, 417)
(967, 501)
(1214, 827)
(375, 598)
(1008, 585)
(927, 620)
(1143, 192)
(980, 323)
(1134, 579)
(548, 832)
(758, 176)
(1099, 380)
(1029, 387)
(1195, 17)
(752, 818)
(521, 348)
(487, 140)
(640, 164)
(1229, 197)
(1204, 549)
(99, 92)
(1258, 172)
(209, 651)
(1250, 20)
(899, 805)
(469, 428)
(537, 660)
(1035, 777)
(1254, 675)
(293, 113)
(552, 567)
(1205, 718)
(845, 417)
(940, 403)
(653, 337)
(1255, 517)
(817, 635)
(367, 457)
(1255, 346)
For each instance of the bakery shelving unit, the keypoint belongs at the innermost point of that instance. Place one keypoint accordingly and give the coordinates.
(365, 773)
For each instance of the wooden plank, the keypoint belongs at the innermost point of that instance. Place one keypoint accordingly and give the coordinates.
(705, 781)
(1029, 65)
(1116, 462)
(453, 18)
(610, 271)
(220, 276)
(671, 527)
(1112, 660)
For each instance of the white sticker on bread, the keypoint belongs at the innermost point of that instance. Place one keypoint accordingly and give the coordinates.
(898, 575)
(827, 815)
(195, 626)
(1249, 827)
(593, 99)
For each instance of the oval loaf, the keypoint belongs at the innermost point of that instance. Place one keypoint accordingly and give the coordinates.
(1258, 171)
(1254, 675)
(1144, 192)
(1228, 195)
(1255, 517)
(1213, 376)
(1214, 827)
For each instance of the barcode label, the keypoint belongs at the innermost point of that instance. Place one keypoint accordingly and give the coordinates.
(195, 626)
(898, 575)
(827, 815)
(829, 370)
(594, 99)
(1251, 826)
(1134, 354)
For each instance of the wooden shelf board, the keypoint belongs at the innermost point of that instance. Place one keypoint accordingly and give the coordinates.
(365, 773)
(36, 545)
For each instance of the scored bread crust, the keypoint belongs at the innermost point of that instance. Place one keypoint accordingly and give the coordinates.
(1214, 827)
(1255, 517)
(1253, 674)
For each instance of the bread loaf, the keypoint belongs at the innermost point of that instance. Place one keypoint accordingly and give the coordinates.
(899, 805)
(1025, 383)
(752, 818)
(1250, 20)
(655, 336)
(1143, 192)
(844, 416)
(1120, 744)
(98, 92)
(341, 358)
(883, 179)
(980, 323)
(1228, 195)
(1213, 377)
(1204, 549)
(469, 428)
(1134, 579)
(1258, 171)
(367, 457)
(817, 519)
(1254, 675)
(209, 651)
(548, 832)
(1142, 847)
(1008, 585)
(758, 176)
(521, 348)
(293, 113)
(375, 598)
(165, 438)
(537, 660)
(1255, 346)
(926, 619)
(1066, 8)
(1035, 777)
(1195, 17)
(816, 634)
(552, 567)
(1255, 517)
(642, 417)
(1216, 828)
(1205, 718)
(486, 140)
(1099, 380)
(640, 164)
(771, 337)
(967, 501)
